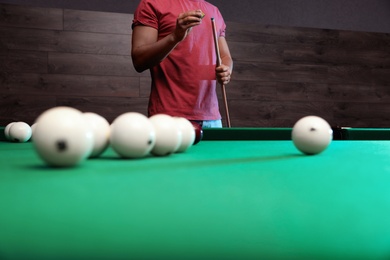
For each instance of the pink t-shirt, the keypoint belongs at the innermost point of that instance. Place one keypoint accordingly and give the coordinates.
(184, 83)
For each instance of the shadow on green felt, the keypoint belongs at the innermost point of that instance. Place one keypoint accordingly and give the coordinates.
(163, 162)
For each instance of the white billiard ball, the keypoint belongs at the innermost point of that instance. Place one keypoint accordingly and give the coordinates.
(6, 130)
(132, 135)
(168, 135)
(20, 132)
(187, 132)
(62, 137)
(312, 135)
(101, 132)
(33, 129)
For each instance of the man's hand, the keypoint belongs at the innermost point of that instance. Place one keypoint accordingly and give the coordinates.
(185, 22)
(223, 74)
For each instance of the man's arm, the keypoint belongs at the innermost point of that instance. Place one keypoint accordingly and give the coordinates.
(147, 51)
(224, 71)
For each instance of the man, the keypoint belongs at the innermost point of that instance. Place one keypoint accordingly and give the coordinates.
(174, 40)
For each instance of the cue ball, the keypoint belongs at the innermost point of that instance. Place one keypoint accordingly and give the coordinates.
(62, 137)
(20, 132)
(101, 132)
(132, 135)
(168, 135)
(33, 129)
(312, 135)
(187, 132)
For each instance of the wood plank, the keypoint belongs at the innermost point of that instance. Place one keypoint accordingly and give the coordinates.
(243, 122)
(267, 113)
(336, 56)
(284, 35)
(60, 41)
(272, 34)
(89, 64)
(353, 41)
(23, 107)
(23, 61)
(285, 114)
(31, 17)
(381, 77)
(145, 86)
(258, 52)
(266, 91)
(253, 71)
(251, 90)
(70, 85)
(108, 107)
(362, 114)
(350, 74)
(102, 22)
(355, 93)
(309, 73)
(27, 108)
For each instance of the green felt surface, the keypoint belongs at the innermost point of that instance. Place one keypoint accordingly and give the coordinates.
(219, 200)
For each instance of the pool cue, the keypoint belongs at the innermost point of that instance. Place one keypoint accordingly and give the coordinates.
(219, 62)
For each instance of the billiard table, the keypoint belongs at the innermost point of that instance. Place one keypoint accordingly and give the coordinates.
(241, 193)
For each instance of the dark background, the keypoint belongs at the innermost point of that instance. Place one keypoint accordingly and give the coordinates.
(291, 59)
(358, 15)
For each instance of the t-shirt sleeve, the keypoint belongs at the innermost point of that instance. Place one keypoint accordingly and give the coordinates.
(221, 25)
(146, 15)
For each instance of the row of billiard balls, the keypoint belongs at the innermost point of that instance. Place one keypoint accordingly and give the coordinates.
(65, 137)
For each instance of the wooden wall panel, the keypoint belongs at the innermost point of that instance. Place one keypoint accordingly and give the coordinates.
(256, 52)
(31, 17)
(73, 85)
(362, 114)
(279, 72)
(26, 61)
(102, 22)
(21, 107)
(282, 74)
(64, 41)
(145, 83)
(109, 107)
(51, 57)
(279, 35)
(85, 64)
(270, 113)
